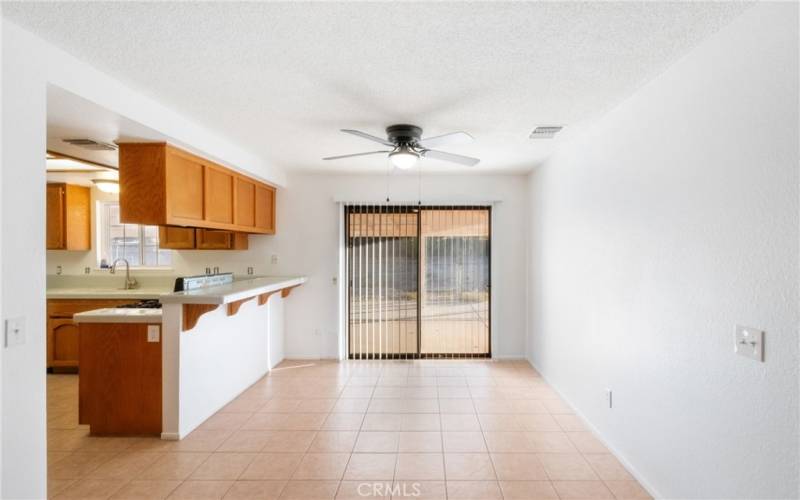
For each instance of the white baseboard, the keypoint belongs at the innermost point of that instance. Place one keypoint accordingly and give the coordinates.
(170, 436)
(647, 485)
(510, 357)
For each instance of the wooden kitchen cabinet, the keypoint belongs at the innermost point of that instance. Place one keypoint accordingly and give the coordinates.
(189, 238)
(69, 217)
(165, 186)
(63, 340)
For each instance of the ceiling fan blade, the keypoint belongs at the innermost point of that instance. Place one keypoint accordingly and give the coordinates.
(368, 136)
(452, 138)
(441, 155)
(356, 154)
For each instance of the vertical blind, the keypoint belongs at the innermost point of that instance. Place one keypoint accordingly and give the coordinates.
(418, 281)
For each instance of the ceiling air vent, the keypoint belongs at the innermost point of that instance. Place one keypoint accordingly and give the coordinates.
(547, 132)
(92, 144)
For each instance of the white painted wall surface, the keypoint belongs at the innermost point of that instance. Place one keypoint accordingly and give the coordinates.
(674, 218)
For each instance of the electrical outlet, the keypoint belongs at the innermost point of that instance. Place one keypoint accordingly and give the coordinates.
(274, 258)
(87, 270)
(250, 270)
(15, 332)
(609, 398)
(153, 333)
(749, 343)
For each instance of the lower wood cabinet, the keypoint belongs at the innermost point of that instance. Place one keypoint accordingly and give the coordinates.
(188, 238)
(63, 340)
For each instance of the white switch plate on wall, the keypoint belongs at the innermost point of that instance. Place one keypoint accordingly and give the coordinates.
(153, 333)
(15, 331)
(749, 343)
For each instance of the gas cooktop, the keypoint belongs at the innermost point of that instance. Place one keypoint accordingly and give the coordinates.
(142, 304)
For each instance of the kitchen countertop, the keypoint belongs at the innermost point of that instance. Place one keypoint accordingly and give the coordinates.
(106, 293)
(117, 315)
(237, 290)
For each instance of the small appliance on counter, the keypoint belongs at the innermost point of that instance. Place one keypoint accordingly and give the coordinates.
(186, 283)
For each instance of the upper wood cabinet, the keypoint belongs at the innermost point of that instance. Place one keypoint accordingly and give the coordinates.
(69, 217)
(165, 186)
(189, 238)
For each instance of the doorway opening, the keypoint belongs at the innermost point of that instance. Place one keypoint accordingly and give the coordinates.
(419, 281)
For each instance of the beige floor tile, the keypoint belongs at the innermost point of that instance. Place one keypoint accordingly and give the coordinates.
(528, 490)
(371, 466)
(570, 422)
(420, 442)
(586, 442)
(201, 490)
(456, 406)
(419, 490)
(538, 422)
(459, 392)
(582, 490)
(280, 406)
(550, 442)
(460, 422)
(518, 467)
(421, 381)
(463, 442)
(468, 466)
(357, 393)
(382, 422)
(507, 442)
(310, 490)
(316, 405)
(333, 442)
(285, 421)
(288, 441)
(222, 466)
(107, 444)
(389, 393)
(420, 422)
(174, 466)
(89, 489)
(343, 422)
(377, 442)
(358, 490)
(322, 466)
(203, 440)
(477, 490)
(232, 421)
(567, 467)
(556, 406)
(628, 490)
(421, 393)
(244, 405)
(421, 466)
(125, 465)
(351, 406)
(145, 489)
(528, 406)
(499, 422)
(272, 466)
(255, 490)
(78, 464)
(608, 467)
(245, 441)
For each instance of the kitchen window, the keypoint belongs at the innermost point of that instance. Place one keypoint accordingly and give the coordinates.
(138, 244)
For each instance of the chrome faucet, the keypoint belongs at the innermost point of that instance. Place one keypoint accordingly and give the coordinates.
(130, 283)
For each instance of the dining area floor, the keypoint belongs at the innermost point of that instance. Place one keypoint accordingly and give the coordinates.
(422, 429)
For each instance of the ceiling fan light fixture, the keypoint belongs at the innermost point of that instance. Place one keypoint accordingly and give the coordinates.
(403, 158)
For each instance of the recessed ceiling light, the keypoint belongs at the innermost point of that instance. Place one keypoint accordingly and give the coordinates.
(546, 132)
(107, 185)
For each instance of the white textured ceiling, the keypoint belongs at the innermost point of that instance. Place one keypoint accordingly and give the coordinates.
(281, 78)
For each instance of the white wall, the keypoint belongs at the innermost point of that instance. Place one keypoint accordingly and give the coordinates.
(673, 219)
(28, 65)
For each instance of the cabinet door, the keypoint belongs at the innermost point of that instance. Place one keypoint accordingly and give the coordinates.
(63, 343)
(184, 180)
(265, 209)
(56, 231)
(78, 217)
(218, 195)
(176, 238)
(245, 203)
(211, 239)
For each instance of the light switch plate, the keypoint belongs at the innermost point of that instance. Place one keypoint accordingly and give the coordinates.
(749, 342)
(153, 333)
(15, 331)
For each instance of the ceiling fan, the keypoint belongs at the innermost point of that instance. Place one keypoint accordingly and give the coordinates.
(408, 146)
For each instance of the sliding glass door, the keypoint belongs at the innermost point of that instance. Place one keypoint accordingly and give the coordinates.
(418, 281)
